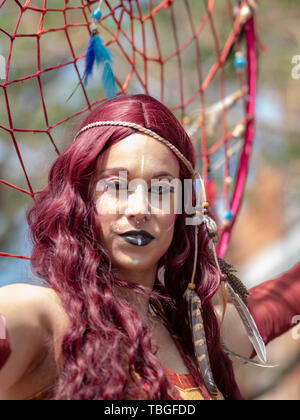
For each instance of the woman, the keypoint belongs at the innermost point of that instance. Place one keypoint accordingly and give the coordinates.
(106, 327)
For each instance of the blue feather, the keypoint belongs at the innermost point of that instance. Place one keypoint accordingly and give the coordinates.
(109, 82)
(89, 60)
(101, 53)
(98, 53)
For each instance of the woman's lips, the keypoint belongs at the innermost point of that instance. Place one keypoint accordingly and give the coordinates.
(138, 238)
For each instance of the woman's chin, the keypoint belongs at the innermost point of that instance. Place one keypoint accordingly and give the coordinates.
(133, 263)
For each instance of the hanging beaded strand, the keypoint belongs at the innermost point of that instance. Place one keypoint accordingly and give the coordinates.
(193, 300)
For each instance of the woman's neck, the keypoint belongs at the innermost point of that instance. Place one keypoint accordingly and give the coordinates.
(139, 301)
(144, 277)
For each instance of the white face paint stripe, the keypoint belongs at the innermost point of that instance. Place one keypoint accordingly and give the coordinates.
(142, 166)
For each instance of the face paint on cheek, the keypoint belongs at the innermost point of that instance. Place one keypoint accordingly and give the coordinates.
(5, 349)
(169, 222)
(172, 225)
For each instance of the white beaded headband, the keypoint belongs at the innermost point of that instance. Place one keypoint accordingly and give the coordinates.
(146, 131)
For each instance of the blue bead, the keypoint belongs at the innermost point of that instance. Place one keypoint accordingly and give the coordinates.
(228, 215)
(239, 62)
(96, 14)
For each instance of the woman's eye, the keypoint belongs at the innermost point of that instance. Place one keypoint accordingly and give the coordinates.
(162, 189)
(118, 185)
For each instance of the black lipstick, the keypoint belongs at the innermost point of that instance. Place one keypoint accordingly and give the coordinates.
(137, 237)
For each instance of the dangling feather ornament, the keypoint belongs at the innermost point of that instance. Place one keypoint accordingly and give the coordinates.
(245, 359)
(249, 323)
(238, 293)
(99, 54)
(194, 307)
(199, 339)
(236, 290)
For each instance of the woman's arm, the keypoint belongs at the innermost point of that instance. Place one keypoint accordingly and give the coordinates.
(275, 307)
(25, 328)
(275, 304)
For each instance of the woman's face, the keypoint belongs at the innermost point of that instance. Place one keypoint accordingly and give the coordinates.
(135, 184)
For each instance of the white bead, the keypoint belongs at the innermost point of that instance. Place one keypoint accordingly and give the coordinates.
(228, 180)
(238, 131)
(245, 13)
(226, 222)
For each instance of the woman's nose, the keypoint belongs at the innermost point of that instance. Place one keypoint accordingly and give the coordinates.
(138, 204)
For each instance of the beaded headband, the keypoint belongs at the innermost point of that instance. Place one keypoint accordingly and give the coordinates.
(234, 287)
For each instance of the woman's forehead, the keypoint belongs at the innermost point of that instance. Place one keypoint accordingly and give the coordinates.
(139, 155)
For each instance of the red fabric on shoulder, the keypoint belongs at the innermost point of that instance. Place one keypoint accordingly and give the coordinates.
(275, 304)
(5, 349)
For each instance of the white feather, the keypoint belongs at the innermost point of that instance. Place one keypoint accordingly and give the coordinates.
(245, 359)
(249, 323)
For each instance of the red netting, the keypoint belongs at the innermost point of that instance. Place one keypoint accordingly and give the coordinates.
(183, 52)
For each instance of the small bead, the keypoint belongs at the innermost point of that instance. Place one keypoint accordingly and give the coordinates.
(228, 180)
(224, 277)
(239, 62)
(96, 14)
(191, 286)
(215, 239)
(245, 13)
(205, 205)
(239, 131)
(228, 215)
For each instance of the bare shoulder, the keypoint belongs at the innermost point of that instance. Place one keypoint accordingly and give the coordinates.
(35, 321)
(31, 299)
(23, 292)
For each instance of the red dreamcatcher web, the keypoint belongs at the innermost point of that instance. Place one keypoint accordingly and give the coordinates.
(197, 57)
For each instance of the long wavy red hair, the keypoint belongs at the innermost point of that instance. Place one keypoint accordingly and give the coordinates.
(107, 352)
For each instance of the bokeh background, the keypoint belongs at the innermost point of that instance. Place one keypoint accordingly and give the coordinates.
(265, 241)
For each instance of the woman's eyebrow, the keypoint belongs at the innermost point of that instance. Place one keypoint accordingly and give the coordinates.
(116, 170)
